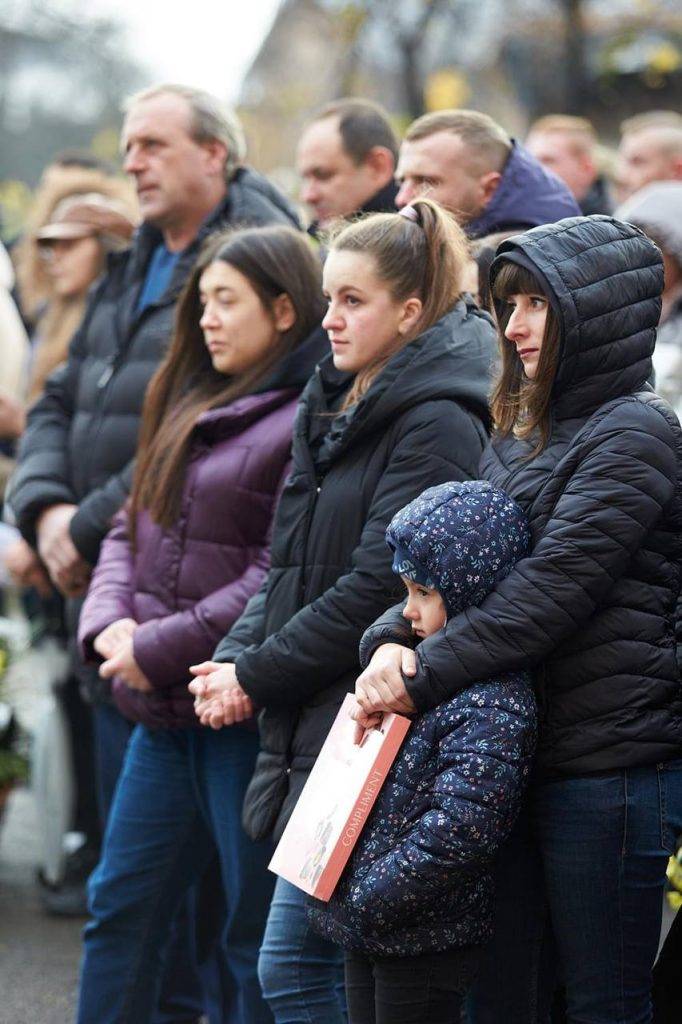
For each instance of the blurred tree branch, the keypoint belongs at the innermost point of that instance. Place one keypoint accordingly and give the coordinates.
(406, 23)
(62, 80)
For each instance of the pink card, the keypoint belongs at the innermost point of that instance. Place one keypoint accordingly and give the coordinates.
(336, 801)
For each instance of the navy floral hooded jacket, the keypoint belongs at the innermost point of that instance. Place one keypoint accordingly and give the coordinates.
(419, 879)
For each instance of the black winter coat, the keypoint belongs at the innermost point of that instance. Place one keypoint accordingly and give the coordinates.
(296, 645)
(594, 606)
(82, 434)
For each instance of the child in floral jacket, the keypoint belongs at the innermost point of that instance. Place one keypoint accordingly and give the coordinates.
(416, 900)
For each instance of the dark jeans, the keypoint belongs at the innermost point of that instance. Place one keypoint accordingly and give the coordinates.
(111, 734)
(667, 988)
(178, 799)
(593, 881)
(408, 989)
(188, 987)
(86, 818)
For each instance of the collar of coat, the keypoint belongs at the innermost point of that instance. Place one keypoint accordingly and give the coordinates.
(527, 196)
(250, 200)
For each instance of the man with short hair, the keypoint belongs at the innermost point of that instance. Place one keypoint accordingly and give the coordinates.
(346, 159)
(186, 154)
(650, 150)
(467, 162)
(567, 145)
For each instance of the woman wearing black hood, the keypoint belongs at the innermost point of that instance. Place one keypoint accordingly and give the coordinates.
(594, 456)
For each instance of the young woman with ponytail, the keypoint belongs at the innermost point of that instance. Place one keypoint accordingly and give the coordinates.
(399, 405)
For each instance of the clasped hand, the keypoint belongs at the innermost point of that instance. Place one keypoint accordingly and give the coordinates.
(115, 645)
(218, 698)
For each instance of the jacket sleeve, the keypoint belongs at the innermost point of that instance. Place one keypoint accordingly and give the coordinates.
(248, 630)
(389, 628)
(95, 513)
(43, 474)
(42, 477)
(626, 476)
(111, 592)
(483, 766)
(320, 642)
(165, 647)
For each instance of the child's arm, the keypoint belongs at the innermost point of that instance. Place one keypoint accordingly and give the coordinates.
(484, 755)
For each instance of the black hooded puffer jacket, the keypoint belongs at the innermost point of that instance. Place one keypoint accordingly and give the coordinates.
(296, 646)
(594, 607)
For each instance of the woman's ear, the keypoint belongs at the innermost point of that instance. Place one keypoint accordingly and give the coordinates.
(283, 313)
(412, 310)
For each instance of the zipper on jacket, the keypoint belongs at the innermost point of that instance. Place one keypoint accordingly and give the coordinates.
(106, 375)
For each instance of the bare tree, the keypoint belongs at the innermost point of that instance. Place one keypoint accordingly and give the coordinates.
(62, 80)
(406, 24)
(575, 72)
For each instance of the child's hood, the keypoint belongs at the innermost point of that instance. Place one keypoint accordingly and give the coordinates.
(461, 538)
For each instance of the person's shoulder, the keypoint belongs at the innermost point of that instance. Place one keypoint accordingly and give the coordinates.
(643, 415)
(254, 200)
(445, 418)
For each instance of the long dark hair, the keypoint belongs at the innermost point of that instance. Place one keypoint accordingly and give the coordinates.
(519, 405)
(276, 261)
(425, 256)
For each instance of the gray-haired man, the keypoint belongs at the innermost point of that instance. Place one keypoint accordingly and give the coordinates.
(186, 155)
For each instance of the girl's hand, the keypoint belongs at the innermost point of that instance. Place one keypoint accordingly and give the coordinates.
(212, 679)
(123, 665)
(218, 698)
(111, 638)
(227, 708)
(363, 722)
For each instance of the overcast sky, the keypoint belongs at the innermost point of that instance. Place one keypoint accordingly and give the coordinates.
(207, 43)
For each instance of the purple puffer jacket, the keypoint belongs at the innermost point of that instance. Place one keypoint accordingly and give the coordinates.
(185, 586)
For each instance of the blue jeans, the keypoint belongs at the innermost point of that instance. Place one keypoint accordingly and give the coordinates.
(602, 844)
(300, 972)
(111, 734)
(178, 799)
(191, 981)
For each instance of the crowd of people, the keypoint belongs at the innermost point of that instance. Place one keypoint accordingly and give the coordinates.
(232, 444)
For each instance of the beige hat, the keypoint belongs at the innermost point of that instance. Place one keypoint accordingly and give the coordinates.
(87, 214)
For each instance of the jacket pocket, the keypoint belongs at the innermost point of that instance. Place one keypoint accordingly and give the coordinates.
(264, 796)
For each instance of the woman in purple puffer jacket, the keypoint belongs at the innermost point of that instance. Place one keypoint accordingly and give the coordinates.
(174, 573)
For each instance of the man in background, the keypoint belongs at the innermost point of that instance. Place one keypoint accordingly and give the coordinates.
(346, 160)
(567, 146)
(186, 155)
(650, 150)
(467, 162)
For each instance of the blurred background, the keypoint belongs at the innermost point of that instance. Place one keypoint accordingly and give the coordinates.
(65, 67)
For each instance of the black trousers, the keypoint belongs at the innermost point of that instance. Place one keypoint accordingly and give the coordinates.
(424, 989)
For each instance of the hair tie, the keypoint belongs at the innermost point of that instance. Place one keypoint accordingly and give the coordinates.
(410, 213)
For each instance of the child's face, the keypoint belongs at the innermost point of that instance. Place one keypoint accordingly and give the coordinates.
(425, 609)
